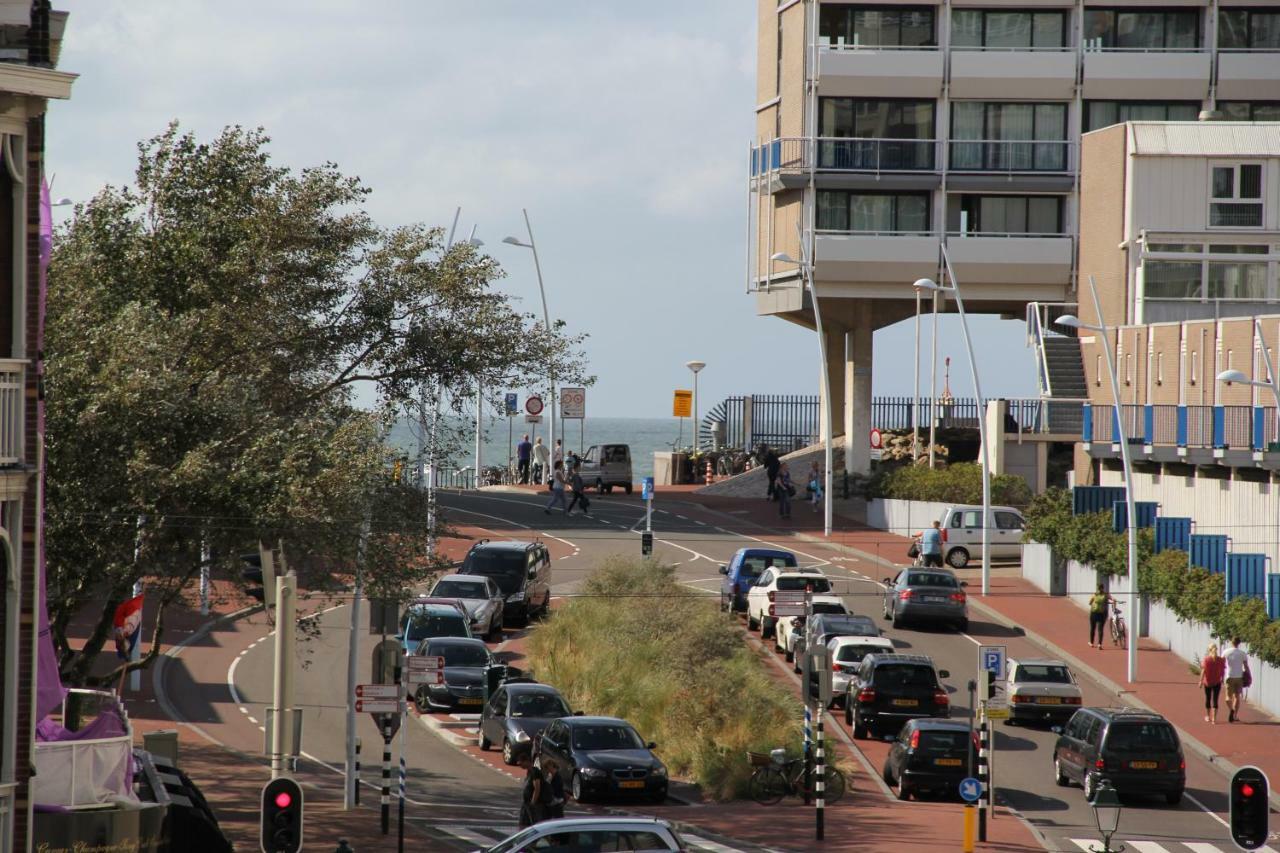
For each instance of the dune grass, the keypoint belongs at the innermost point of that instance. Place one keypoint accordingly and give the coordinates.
(634, 643)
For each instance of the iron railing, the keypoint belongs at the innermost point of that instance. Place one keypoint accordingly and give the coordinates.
(1248, 428)
(1042, 322)
(845, 154)
(1010, 155)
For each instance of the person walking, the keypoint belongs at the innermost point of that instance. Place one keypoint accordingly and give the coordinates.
(784, 490)
(557, 455)
(523, 451)
(579, 492)
(931, 547)
(552, 790)
(813, 486)
(557, 489)
(541, 461)
(1238, 678)
(1099, 602)
(531, 794)
(1212, 670)
(771, 466)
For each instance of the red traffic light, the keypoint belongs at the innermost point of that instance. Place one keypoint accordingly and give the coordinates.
(284, 799)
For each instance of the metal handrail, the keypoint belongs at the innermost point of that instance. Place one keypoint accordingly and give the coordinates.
(993, 152)
(964, 235)
(869, 47)
(830, 232)
(982, 48)
(1101, 49)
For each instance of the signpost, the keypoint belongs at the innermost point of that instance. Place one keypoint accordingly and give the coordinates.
(646, 538)
(425, 670)
(970, 790)
(682, 407)
(573, 406)
(511, 407)
(992, 663)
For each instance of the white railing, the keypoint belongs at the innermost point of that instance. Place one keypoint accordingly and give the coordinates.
(982, 48)
(852, 154)
(837, 232)
(1012, 235)
(84, 773)
(1011, 155)
(877, 47)
(12, 376)
(1041, 317)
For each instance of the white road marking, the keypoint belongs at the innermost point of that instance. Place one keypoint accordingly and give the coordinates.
(253, 720)
(1151, 847)
(707, 844)
(1210, 812)
(470, 837)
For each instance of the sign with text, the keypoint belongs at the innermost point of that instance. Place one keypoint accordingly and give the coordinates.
(377, 691)
(379, 706)
(787, 603)
(682, 404)
(423, 663)
(573, 403)
(992, 659)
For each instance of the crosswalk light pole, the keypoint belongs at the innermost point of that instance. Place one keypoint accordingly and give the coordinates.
(386, 774)
(282, 693)
(819, 782)
(400, 817)
(984, 775)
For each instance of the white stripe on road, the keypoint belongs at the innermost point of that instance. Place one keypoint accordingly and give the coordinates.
(1152, 847)
(707, 844)
(483, 841)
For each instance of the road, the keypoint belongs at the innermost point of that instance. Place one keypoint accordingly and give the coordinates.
(451, 790)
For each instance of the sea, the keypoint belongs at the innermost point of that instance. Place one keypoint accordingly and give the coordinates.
(645, 435)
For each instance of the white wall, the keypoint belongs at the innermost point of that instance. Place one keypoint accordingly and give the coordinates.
(1037, 564)
(905, 518)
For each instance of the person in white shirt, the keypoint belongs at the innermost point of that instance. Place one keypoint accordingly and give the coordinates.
(1237, 668)
(557, 456)
(541, 461)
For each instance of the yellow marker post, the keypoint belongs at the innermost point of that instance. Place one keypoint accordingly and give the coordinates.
(970, 827)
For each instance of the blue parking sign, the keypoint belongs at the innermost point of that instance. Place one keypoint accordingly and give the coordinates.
(646, 489)
(512, 404)
(992, 659)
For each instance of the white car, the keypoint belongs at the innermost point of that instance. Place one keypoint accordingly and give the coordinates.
(594, 833)
(1041, 690)
(760, 597)
(784, 640)
(846, 656)
(962, 529)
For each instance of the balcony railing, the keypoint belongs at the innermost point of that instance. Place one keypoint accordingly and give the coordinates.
(1200, 427)
(845, 154)
(878, 47)
(12, 375)
(1004, 155)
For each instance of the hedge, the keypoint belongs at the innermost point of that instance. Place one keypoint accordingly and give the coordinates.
(1190, 592)
(960, 483)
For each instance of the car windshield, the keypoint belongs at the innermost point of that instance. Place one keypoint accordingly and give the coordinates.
(538, 705)
(819, 584)
(942, 742)
(930, 579)
(903, 675)
(459, 589)
(435, 624)
(516, 842)
(591, 738)
(828, 607)
(505, 567)
(1044, 673)
(1142, 737)
(459, 655)
(856, 652)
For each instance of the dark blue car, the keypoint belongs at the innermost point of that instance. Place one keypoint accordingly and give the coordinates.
(744, 569)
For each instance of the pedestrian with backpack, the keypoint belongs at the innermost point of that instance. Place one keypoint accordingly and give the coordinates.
(579, 492)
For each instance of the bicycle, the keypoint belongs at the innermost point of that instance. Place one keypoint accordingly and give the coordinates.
(776, 777)
(1119, 631)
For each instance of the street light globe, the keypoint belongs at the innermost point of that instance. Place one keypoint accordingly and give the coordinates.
(695, 366)
(1232, 376)
(512, 241)
(783, 258)
(925, 284)
(1071, 321)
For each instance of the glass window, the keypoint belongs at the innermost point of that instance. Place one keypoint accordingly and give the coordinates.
(1141, 737)
(1022, 125)
(1237, 281)
(1180, 248)
(1008, 521)
(1171, 279)
(1012, 214)
(999, 29)
(1250, 110)
(863, 26)
(898, 134)
(1237, 196)
(1238, 249)
(1248, 29)
(1099, 114)
(1142, 29)
(847, 211)
(593, 738)
(1043, 673)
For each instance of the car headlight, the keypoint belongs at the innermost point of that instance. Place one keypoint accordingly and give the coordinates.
(592, 772)
(521, 736)
(659, 771)
(516, 596)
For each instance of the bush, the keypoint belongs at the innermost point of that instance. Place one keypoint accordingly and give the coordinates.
(634, 643)
(960, 483)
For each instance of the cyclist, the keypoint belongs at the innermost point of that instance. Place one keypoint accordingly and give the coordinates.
(1099, 605)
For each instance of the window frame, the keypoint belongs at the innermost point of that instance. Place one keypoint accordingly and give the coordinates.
(1236, 198)
(1065, 29)
(976, 201)
(849, 195)
(848, 10)
(1253, 108)
(1249, 12)
(1109, 40)
(1120, 103)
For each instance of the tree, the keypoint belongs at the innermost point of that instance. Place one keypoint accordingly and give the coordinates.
(206, 329)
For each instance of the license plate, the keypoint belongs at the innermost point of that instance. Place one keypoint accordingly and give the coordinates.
(1048, 700)
(947, 762)
(906, 703)
(935, 599)
(637, 783)
(470, 700)
(1143, 765)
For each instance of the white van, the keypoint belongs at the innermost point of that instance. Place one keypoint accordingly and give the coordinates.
(607, 465)
(963, 528)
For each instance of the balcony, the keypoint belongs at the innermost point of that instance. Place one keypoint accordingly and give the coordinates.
(882, 71)
(788, 160)
(1250, 75)
(893, 259)
(1004, 156)
(1228, 435)
(1033, 74)
(1146, 75)
(12, 377)
(1013, 259)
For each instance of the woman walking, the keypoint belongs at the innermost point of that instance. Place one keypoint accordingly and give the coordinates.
(1098, 605)
(1212, 670)
(557, 489)
(814, 485)
(784, 490)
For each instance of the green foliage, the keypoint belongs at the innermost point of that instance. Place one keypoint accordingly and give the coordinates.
(960, 483)
(634, 643)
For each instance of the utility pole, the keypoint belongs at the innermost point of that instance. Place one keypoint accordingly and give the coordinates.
(351, 786)
(282, 693)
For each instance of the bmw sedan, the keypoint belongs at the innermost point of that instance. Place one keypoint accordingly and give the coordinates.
(516, 715)
(598, 757)
(926, 595)
(465, 662)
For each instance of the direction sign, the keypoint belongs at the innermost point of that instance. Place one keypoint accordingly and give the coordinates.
(533, 405)
(422, 663)
(995, 711)
(970, 789)
(511, 403)
(646, 489)
(787, 603)
(682, 404)
(377, 691)
(425, 676)
(992, 659)
(379, 706)
(573, 403)
(533, 419)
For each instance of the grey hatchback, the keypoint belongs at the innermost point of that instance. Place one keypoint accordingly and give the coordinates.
(926, 595)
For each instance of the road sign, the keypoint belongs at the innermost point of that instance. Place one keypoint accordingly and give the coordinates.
(511, 403)
(573, 403)
(379, 706)
(788, 603)
(682, 404)
(533, 419)
(377, 691)
(877, 440)
(970, 789)
(533, 405)
(646, 489)
(423, 663)
(997, 711)
(425, 676)
(992, 659)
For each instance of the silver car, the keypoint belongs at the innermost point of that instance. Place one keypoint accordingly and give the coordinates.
(926, 595)
(590, 834)
(481, 598)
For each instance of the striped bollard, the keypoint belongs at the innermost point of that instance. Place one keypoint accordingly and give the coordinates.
(808, 750)
(819, 783)
(386, 775)
(984, 776)
(400, 831)
(710, 473)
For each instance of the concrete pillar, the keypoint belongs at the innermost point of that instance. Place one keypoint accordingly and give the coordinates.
(857, 395)
(993, 456)
(835, 367)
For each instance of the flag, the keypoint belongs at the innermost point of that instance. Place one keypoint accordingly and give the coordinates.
(126, 625)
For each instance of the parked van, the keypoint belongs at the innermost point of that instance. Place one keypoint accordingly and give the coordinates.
(962, 528)
(607, 465)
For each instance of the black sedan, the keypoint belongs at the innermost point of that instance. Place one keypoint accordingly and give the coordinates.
(517, 714)
(603, 756)
(930, 755)
(465, 661)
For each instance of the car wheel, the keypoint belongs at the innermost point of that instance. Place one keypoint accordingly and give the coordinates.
(575, 788)
(1090, 787)
(495, 631)
(767, 629)
(848, 713)
(860, 731)
(508, 753)
(957, 558)
(1059, 778)
(895, 620)
(901, 790)
(886, 776)
(627, 489)
(485, 743)
(963, 626)
(420, 699)
(752, 624)
(1173, 797)
(791, 654)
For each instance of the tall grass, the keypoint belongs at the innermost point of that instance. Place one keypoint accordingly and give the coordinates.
(636, 644)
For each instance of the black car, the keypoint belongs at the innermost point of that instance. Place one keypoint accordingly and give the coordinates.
(603, 756)
(522, 571)
(824, 627)
(930, 755)
(465, 662)
(516, 715)
(1138, 752)
(891, 689)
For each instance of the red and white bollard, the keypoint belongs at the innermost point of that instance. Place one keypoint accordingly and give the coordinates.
(710, 473)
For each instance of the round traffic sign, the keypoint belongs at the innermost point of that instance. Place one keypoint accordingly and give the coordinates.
(876, 439)
(533, 405)
(970, 790)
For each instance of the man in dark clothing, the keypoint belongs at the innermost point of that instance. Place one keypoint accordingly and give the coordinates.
(769, 458)
(531, 795)
(523, 451)
(579, 492)
(552, 791)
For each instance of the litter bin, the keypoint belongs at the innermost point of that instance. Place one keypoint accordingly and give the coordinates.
(162, 742)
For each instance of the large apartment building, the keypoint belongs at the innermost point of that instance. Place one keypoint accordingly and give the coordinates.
(885, 129)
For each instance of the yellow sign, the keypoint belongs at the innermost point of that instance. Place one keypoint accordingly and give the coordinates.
(997, 712)
(682, 405)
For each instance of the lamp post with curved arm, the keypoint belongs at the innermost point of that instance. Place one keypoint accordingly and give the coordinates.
(546, 319)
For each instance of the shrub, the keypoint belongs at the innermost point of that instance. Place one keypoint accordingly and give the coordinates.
(959, 483)
(634, 643)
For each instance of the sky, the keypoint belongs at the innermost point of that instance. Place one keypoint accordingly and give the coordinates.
(621, 127)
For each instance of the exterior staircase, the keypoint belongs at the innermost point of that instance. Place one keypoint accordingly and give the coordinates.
(1059, 366)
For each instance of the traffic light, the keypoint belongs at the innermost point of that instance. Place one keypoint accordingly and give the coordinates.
(1250, 808)
(281, 816)
(646, 544)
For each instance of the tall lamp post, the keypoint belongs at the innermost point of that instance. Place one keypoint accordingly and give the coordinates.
(1131, 523)
(546, 317)
(696, 368)
(806, 276)
(954, 290)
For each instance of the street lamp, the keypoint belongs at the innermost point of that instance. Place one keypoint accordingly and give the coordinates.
(806, 276)
(696, 366)
(987, 450)
(1131, 523)
(1106, 814)
(546, 317)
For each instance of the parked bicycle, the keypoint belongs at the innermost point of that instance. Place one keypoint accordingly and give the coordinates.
(1119, 631)
(776, 777)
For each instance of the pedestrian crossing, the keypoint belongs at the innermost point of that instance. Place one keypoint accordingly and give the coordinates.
(1148, 846)
(471, 836)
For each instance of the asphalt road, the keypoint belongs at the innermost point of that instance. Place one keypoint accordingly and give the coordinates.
(447, 786)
